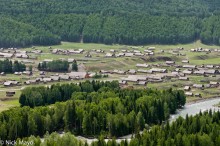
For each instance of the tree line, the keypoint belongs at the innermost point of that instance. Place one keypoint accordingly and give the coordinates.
(200, 8)
(19, 34)
(131, 29)
(7, 66)
(109, 111)
(123, 22)
(57, 66)
(200, 130)
(40, 96)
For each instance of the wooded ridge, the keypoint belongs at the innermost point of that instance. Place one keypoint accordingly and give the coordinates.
(46, 22)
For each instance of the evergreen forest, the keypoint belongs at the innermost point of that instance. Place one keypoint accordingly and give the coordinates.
(88, 109)
(132, 22)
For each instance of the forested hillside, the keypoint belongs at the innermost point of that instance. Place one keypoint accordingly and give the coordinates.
(14, 33)
(136, 22)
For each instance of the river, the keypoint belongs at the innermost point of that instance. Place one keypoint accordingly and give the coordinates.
(195, 108)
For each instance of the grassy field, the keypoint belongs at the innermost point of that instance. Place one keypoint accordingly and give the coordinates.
(98, 62)
(8, 102)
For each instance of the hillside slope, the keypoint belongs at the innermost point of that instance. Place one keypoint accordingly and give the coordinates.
(133, 22)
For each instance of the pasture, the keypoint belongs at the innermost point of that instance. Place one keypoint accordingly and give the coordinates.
(98, 61)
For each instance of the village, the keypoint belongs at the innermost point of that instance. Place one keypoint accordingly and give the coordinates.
(191, 68)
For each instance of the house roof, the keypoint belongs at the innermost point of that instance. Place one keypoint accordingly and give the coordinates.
(211, 71)
(151, 48)
(8, 83)
(198, 85)
(183, 78)
(170, 62)
(189, 66)
(144, 71)
(158, 70)
(142, 83)
(142, 65)
(48, 60)
(55, 78)
(63, 77)
(123, 82)
(214, 83)
(185, 61)
(109, 55)
(188, 93)
(199, 72)
(132, 71)
(75, 75)
(129, 54)
(187, 72)
(47, 79)
(186, 87)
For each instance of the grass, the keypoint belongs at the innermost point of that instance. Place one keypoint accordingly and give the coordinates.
(8, 102)
(98, 62)
(218, 105)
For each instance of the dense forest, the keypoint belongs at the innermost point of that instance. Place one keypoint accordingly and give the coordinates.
(134, 22)
(200, 130)
(56, 66)
(19, 34)
(7, 66)
(109, 111)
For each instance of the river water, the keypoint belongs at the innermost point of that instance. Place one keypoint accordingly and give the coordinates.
(195, 108)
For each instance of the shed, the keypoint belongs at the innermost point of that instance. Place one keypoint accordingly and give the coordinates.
(78, 75)
(185, 61)
(55, 78)
(199, 72)
(151, 48)
(198, 95)
(200, 86)
(209, 66)
(71, 60)
(10, 93)
(129, 54)
(187, 88)
(189, 66)
(188, 93)
(142, 65)
(184, 78)
(170, 62)
(42, 73)
(159, 70)
(132, 71)
(64, 77)
(214, 84)
(145, 71)
(109, 55)
(10, 83)
(189, 72)
(211, 71)
(123, 82)
(45, 80)
(142, 83)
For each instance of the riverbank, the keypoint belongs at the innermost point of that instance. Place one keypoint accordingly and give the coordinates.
(195, 107)
(201, 100)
